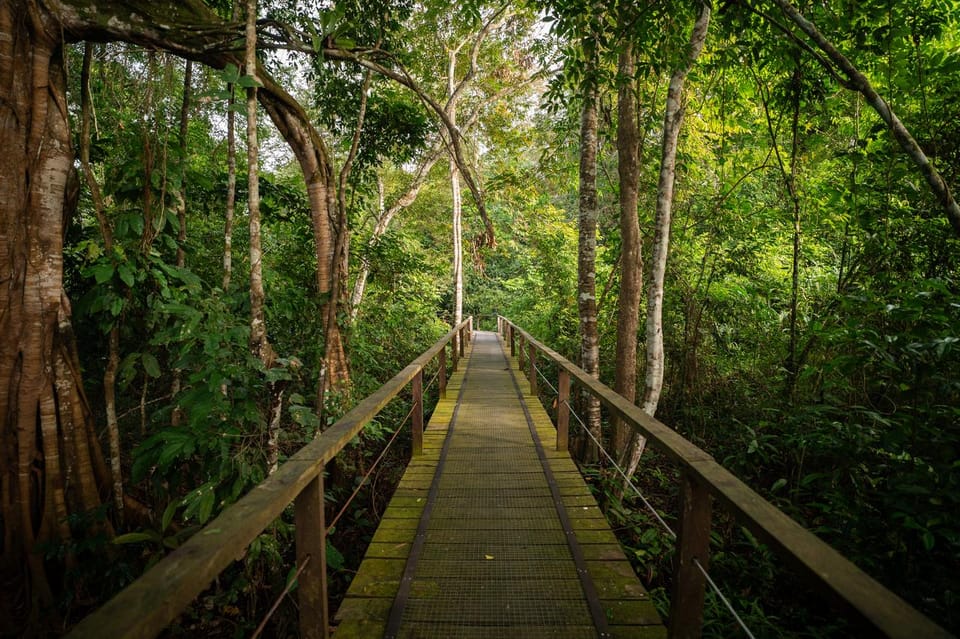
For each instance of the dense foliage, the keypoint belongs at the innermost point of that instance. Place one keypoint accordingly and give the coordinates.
(812, 302)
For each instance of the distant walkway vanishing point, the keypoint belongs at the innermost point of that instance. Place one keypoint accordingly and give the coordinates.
(492, 533)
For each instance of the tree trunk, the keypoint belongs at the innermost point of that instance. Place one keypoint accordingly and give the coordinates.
(628, 315)
(177, 416)
(182, 148)
(113, 348)
(51, 466)
(792, 365)
(672, 120)
(456, 201)
(231, 191)
(587, 251)
(259, 343)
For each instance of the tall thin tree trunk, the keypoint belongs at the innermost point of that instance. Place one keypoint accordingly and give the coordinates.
(177, 416)
(259, 343)
(113, 347)
(672, 120)
(231, 203)
(456, 204)
(386, 217)
(791, 180)
(231, 191)
(587, 249)
(628, 312)
(182, 144)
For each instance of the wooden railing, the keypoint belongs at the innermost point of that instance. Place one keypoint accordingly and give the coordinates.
(150, 603)
(702, 477)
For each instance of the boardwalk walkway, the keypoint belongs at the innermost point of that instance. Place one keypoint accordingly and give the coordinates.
(491, 532)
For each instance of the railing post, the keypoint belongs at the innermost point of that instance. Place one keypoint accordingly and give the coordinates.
(693, 543)
(563, 409)
(416, 386)
(462, 342)
(311, 541)
(520, 353)
(513, 343)
(499, 326)
(442, 372)
(470, 327)
(453, 353)
(532, 357)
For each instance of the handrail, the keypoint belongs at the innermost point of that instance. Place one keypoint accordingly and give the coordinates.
(871, 602)
(149, 604)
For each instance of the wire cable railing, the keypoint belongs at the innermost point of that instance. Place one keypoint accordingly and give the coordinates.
(363, 480)
(628, 481)
(145, 607)
(663, 524)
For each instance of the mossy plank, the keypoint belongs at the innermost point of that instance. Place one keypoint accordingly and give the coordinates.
(393, 536)
(638, 632)
(360, 629)
(364, 608)
(378, 578)
(398, 512)
(585, 522)
(595, 536)
(601, 552)
(400, 550)
(635, 612)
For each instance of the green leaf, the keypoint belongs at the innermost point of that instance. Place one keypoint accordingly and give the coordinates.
(150, 365)
(292, 579)
(102, 272)
(136, 537)
(205, 508)
(248, 82)
(777, 485)
(168, 514)
(928, 540)
(230, 73)
(126, 274)
(335, 559)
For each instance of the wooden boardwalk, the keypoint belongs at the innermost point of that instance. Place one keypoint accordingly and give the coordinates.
(492, 533)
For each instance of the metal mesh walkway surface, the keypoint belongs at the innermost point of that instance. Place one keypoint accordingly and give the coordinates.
(492, 533)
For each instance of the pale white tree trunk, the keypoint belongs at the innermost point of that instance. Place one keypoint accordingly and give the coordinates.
(231, 194)
(231, 180)
(259, 344)
(456, 200)
(672, 120)
(587, 257)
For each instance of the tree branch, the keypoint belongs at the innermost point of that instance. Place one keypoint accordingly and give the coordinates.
(900, 133)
